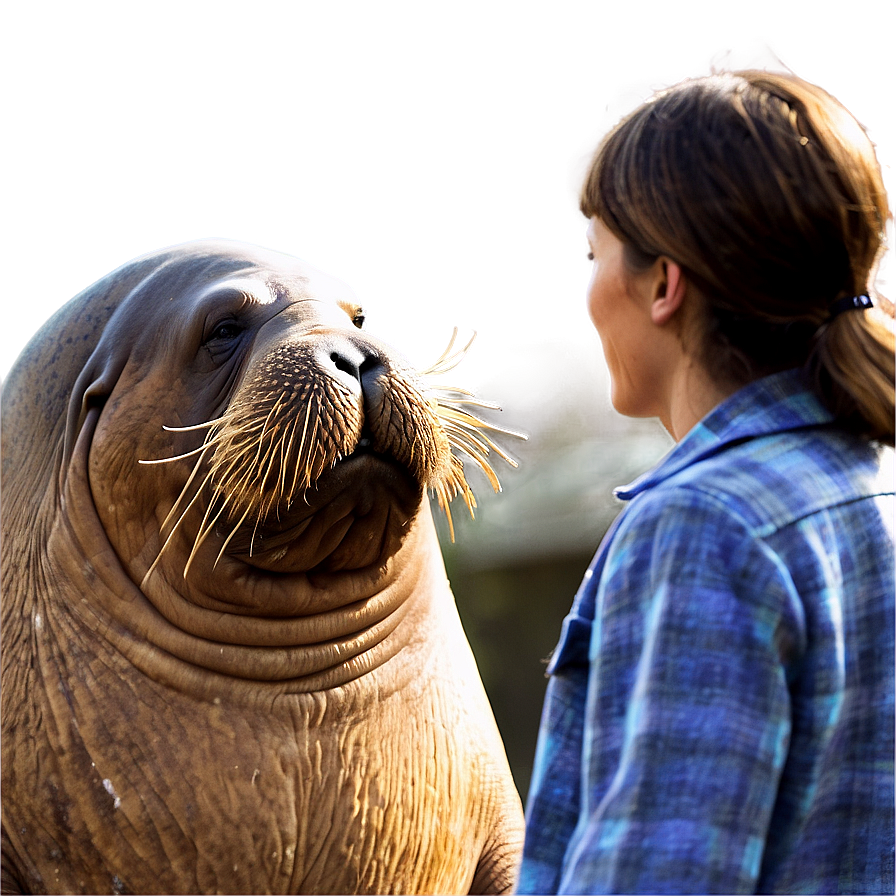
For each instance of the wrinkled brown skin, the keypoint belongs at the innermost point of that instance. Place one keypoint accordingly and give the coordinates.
(241, 730)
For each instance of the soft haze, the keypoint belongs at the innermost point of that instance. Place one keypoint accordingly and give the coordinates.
(427, 154)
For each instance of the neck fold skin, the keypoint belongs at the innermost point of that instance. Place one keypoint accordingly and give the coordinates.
(193, 647)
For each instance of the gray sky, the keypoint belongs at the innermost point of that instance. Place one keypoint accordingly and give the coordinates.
(427, 154)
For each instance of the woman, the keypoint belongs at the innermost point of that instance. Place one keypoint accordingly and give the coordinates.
(720, 711)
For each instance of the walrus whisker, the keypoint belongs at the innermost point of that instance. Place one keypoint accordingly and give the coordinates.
(468, 420)
(247, 438)
(446, 509)
(440, 387)
(274, 408)
(209, 441)
(485, 437)
(239, 488)
(486, 467)
(447, 489)
(168, 460)
(229, 538)
(447, 364)
(309, 465)
(475, 454)
(456, 484)
(461, 438)
(238, 492)
(250, 476)
(271, 457)
(445, 352)
(467, 494)
(258, 519)
(207, 444)
(286, 448)
(443, 400)
(445, 500)
(151, 569)
(205, 526)
(288, 458)
(481, 439)
(234, 467)
(202, 535)
(278, 494)
(225, 462)
(206, 425)
(300, 453)
(447, 361)
(176, 526)
(485, 444)
(186, 509)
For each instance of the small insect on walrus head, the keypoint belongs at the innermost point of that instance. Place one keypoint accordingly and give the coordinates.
(310, 399)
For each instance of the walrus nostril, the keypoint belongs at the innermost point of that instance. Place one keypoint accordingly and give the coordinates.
(346, 365)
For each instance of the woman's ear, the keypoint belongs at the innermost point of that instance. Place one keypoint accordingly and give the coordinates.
(669, 288)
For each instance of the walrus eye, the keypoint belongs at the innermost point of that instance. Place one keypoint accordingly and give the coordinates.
(226, 330)
(358, 319)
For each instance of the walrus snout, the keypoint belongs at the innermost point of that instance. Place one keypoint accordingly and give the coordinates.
(314, 412)
(345, 360)
(350, 361)
(386, 388)
(309, 401)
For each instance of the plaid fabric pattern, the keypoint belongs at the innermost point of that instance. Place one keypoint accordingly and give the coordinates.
(719, 716)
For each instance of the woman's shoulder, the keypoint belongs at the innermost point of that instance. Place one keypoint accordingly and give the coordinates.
(768, 482)
(763, 518)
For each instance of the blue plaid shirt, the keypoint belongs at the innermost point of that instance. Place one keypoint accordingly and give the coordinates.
(719, 716)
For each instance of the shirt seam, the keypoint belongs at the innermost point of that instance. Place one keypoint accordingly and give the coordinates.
(765, 530)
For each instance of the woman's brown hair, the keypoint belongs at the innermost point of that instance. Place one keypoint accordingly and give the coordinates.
(769, 195)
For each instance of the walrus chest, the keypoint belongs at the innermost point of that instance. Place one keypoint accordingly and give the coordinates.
(149, 790)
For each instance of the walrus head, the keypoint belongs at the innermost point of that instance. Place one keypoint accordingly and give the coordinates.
(317, 408)
(256, 462)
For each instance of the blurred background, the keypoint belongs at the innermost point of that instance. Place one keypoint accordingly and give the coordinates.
(428, 154)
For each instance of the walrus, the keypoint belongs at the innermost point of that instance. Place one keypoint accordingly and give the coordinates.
(231, 657)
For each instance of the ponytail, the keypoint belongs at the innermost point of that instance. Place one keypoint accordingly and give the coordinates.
(852, 365)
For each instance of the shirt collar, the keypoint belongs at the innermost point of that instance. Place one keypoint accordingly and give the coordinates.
(777, 403)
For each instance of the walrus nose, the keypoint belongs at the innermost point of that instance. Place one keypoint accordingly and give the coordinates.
(348, 363)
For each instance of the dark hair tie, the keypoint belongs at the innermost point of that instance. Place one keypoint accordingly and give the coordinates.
(849, 304)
